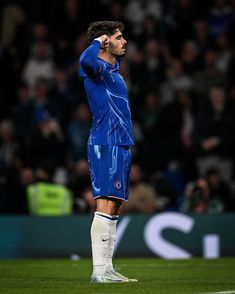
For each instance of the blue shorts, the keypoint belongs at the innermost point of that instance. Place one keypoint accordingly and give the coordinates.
(109, 170)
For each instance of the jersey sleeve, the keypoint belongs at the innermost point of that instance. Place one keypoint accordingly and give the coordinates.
(89, 61)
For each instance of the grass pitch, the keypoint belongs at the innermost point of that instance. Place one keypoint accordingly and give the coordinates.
(154, 276)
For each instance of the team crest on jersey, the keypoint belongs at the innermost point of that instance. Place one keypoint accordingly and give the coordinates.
(118, 184)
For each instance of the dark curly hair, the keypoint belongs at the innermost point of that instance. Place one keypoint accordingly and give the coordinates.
(99, 28)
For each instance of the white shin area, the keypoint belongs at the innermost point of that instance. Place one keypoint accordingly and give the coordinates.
(103, 232)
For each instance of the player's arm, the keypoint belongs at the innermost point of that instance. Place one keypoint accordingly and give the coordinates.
(89, 59)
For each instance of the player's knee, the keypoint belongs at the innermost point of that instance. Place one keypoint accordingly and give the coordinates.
(114, 206)
(118, 207)
(109, 206)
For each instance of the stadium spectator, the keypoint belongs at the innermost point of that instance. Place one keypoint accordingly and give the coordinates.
(189, 57)
(136, 58)
(78, 131)
(46, 198)
(166, 193)
(208, 76)
(85, 204)
(47, 142)
(136, 11)
(200, 36)
(39, 65)
(75, 19)
(142, 196)
(61, 98)
(224, 53)
(42, 102)
(214, 135)
(179, 23)
(167, 133)
(13, 196)
(79, 46)
(116, 12)
(220, 191)
(149, 113)
(79, 179)
(23, 114)
(13, 17)
(176, 79)
(208, 194)
(197, 195)
(219, 17)
(153, 65)
(8, 144)
(153, 29)
(76, 89)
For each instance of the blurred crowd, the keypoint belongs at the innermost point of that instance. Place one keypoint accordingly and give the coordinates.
(180, 73)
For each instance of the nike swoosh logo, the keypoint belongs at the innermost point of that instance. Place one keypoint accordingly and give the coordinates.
(104, 240)
(118, 280)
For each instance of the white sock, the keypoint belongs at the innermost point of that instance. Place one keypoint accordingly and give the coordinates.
(112, 237)
(100, 241)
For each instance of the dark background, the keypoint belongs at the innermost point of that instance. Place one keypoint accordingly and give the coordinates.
(179, 70)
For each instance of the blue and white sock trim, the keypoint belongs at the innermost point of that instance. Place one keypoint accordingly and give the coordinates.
(105, 215)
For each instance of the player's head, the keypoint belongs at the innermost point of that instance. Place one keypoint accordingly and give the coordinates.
(113, 29)
(99, 28)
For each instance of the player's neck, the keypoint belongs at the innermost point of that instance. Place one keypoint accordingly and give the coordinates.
(107, 57)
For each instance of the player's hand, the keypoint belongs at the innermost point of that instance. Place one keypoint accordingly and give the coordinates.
(104, 40)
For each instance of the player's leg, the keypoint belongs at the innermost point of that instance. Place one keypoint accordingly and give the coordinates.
(109, 168)
(103, 235)
(103, 238)
(111, 207)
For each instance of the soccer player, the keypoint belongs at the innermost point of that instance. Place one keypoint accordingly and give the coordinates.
(111, 135)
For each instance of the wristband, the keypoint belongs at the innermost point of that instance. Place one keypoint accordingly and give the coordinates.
(98, 39)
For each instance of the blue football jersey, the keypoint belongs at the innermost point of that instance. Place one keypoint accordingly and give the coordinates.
(108, 99)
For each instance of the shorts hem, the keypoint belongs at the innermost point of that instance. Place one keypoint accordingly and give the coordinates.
(107, 196)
